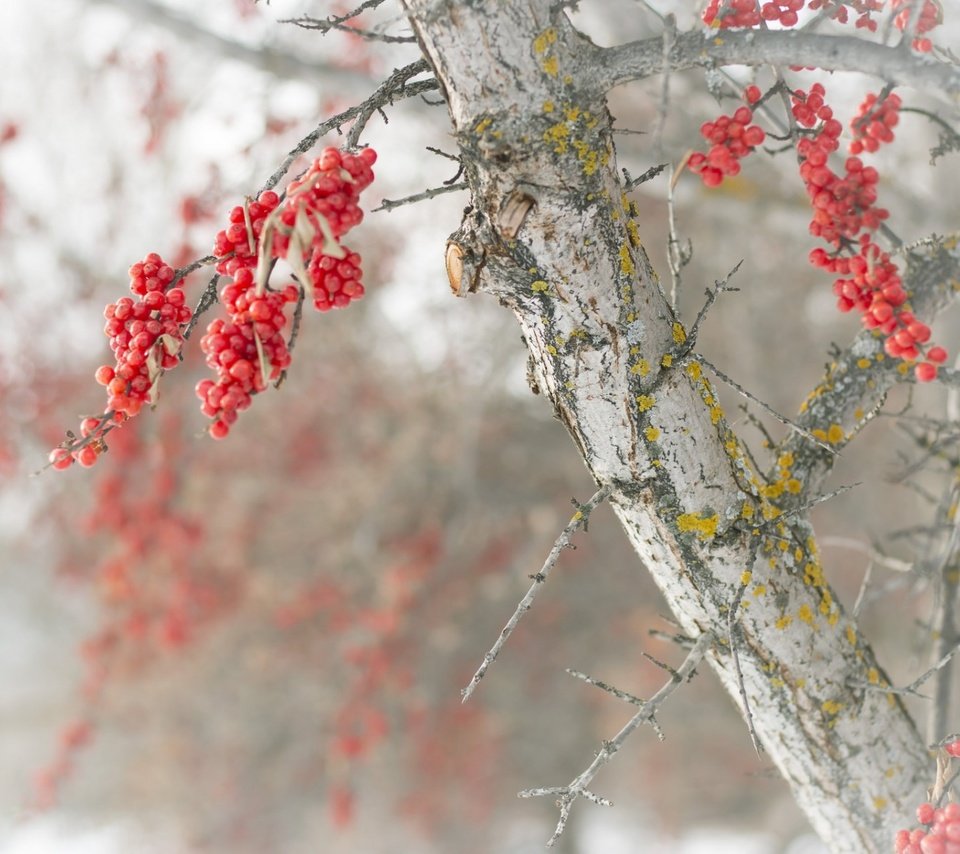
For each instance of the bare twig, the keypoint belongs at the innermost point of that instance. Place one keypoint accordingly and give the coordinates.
(669, 36)
(631, 184)
(577, 521)
(622, 695)
(641, 59)
(207, 299)
(720, 286)
(731, 630)
(390, 204)
(394, 88)
(339, 22)
(567, 795)
(766, 407)
(270, 60)
(678, 256)
(876, 556)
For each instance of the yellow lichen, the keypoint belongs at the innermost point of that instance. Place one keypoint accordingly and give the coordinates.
(704, 527)
(626, 262)
(835, 434)
(548, 106)
(873, 676)
(831, 707)
(552, 66)
(679, 333)
(557, 136)
(784, 621)
(745, 577)
(544, 40)
(642, 367)
(694, 371)
(644, 402)
(483, 124)
(667, 361)
(539, 286)
(879, 803)
(805, 614)
(652, 434)
(863, 364)
(851, 636)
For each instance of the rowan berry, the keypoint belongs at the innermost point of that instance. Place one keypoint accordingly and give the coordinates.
(732, 138)
(931, 16)
(145, 336)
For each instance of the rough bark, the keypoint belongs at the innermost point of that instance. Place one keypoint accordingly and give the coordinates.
(549, 233)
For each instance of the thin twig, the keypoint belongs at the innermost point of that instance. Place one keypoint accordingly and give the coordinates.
(390, 204)
(669, 37)
(631, 184)
(720, 286)
(339, 22)
(207, 299)
(577, 521)
(567, 795)
(677, 256)
(874, 554)
(731, 628)
(392, 89)
(766, 407)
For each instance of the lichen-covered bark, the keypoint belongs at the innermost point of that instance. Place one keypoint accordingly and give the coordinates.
(551, 235)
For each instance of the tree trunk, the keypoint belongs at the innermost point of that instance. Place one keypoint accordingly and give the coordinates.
(549, 233)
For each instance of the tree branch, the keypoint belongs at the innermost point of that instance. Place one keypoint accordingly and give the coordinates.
(697, 49)
(268, 59)
(579, 520)
(578, 788)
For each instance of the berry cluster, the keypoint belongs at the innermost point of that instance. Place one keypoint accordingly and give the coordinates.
(940, 834)
(731, 13)
(940, 831)
(874, 122)
(236, 246)
(838, 11)
(845, 213)
(931, 16)
(732, 138)
(336, 281)
(247, 350)
(327, 196)
(145, 335)
(784, 11)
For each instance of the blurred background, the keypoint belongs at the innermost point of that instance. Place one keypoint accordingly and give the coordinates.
(259, 644)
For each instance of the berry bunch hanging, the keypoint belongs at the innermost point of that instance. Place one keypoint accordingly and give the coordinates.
(846, 214)
(146, 335)
(873, 124)
(748, 14)
(931, 15)
(939, 832)
(845, 210)
(248, 349)
(732, 138)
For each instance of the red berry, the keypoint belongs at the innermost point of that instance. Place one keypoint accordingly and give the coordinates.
(61, 458)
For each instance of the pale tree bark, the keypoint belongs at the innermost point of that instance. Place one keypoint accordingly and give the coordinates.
(549, 233)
